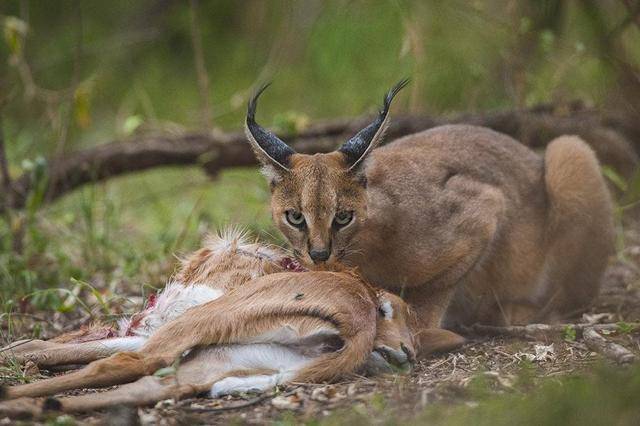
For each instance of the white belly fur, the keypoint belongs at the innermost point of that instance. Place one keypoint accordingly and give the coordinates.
(173, 301)
(284, 361)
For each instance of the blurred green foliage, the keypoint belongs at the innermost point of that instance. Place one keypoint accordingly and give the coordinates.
(326, 58)
(607, 397)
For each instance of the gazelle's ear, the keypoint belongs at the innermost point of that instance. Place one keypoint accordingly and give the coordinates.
(357, 148)
(272, 152)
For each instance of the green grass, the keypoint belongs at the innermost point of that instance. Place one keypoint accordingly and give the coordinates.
(609, 396)
(119, 238)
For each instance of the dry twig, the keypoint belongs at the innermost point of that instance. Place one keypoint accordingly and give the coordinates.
(611, 350)
(540, 331)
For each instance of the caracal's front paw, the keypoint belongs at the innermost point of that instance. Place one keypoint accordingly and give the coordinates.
(433, 340)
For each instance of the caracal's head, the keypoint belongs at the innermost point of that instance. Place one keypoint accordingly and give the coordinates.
(318, 201)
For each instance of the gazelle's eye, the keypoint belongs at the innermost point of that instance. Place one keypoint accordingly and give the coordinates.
(343, 218)
(295, 218)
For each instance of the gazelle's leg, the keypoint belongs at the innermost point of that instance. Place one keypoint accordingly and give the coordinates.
(198, 372)
(128, 366)
(195, 375)
(120, 368)
(144, 391)
(52, 354)
(246, 381)
(91, 334)
(147, 390)
(21, 408)
(27, 345)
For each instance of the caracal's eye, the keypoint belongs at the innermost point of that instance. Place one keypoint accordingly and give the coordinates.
(295, 218)
(343, 218)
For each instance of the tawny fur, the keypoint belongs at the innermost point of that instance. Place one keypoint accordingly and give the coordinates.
(466, 223)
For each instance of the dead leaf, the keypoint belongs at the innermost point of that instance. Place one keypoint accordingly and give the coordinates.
(542, 353)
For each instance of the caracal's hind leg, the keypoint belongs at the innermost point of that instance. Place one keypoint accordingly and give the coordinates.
(48, 354)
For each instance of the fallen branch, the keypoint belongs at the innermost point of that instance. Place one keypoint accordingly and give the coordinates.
(541, 331)
(611, 350)
(610, 137)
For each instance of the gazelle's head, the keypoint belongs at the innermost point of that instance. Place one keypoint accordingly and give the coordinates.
(318, 201)
(394, 330)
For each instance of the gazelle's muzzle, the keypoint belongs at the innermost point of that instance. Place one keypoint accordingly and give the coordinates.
(398, 358)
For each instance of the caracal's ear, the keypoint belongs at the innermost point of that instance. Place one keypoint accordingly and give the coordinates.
(357, 148)
(272, 152)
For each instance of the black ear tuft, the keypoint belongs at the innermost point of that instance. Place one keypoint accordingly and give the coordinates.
(270, 150)
(253, 102)
(356, 148)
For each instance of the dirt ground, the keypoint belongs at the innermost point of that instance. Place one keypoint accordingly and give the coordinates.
(452, 378)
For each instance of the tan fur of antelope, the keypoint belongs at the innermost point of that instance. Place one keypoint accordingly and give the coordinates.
(269, 326)
(466, 223)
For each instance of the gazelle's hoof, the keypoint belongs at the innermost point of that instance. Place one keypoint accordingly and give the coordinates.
(21, 408)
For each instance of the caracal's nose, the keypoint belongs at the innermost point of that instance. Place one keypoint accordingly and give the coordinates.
(319, 255)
